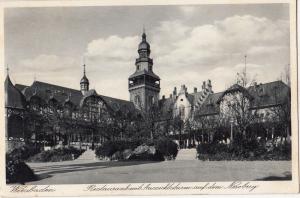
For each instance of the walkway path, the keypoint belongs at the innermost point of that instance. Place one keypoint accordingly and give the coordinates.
(87, 155)
(187, 154)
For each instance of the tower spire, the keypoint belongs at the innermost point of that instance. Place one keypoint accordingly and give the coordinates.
(84, 82)
(83, 60)
(144, 34)
(84, 69)
(7, 69)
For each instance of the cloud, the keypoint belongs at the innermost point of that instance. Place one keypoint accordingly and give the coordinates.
(113, 48)
(187, 11)
(48, 62)
(182, 54)
(191, 54)
(49, 68)
(204, 49)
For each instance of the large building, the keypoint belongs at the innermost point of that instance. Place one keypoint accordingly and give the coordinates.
(51, 114)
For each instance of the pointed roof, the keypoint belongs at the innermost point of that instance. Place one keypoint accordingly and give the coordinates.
(84, 79)
(144, 72)
(236, 88)
(13, 97)
(144, 45)
(269, 94)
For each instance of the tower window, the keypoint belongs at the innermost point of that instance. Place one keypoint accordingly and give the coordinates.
(137, 101)
(138, 67)
(151, 100)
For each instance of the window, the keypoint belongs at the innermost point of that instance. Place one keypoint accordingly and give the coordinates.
(93, 108)
(181, 111)
(137, 101)
(151, 100)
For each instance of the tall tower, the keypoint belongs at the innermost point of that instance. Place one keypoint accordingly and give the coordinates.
(144, 85)
(84, 82)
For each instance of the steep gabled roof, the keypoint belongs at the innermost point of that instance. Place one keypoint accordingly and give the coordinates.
(13, 97)
(210, 105)
(166, 107)
(236, 88)
(119, 105)
(269, 94)
(47, 91)
(20, 87)
(195, 98)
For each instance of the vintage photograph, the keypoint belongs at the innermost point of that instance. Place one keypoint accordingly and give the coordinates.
(147, 94)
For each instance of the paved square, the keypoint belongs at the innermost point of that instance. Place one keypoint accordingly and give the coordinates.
(87, 172)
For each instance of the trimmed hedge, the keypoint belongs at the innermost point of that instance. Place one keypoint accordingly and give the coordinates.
(56, 155)
(244, 150)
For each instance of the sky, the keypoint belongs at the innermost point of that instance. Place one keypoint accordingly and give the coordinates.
(189, 44)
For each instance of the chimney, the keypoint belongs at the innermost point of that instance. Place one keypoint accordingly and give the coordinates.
(163, 97)
(195, 89)
(209, 86)
(175, 91)
(170, 95)
(203, 85)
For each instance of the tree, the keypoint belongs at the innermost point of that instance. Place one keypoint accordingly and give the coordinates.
(151, 120)
(281, 111)
(235, 105)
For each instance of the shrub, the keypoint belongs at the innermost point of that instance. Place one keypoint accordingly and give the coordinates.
(55, 155)
(107, 149)
(147, 157)
(211, 148)
(165, 147)
(17, 171)
(24, 152)
(244, 150)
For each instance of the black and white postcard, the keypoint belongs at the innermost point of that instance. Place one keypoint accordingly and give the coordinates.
(148, 97)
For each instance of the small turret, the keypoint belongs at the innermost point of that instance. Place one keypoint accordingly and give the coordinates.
(84, 82)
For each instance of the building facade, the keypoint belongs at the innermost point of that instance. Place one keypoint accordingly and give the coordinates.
(52, 115)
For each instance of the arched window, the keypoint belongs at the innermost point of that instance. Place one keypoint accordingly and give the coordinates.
(151, 100)
(137, 101)
(182, 111)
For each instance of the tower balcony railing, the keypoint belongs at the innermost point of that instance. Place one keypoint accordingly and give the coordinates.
(144, 59)
(130, 85)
